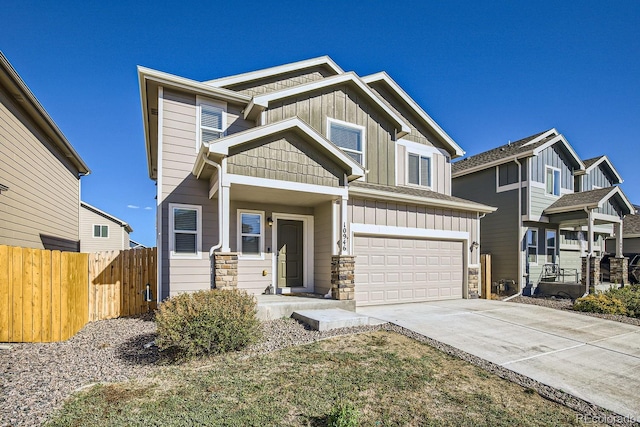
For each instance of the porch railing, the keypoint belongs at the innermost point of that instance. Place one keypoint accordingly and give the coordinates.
(553, 273)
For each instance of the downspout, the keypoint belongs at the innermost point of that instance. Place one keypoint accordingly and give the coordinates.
(587, 279)
(519, 251)
(219, 169)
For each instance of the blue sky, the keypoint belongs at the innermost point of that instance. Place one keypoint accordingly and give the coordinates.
(487, 72)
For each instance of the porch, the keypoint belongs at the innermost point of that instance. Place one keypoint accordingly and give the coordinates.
(271, 307)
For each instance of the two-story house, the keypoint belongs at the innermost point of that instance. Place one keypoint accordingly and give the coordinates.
(305, 178)
(40, 172)
(554, 209)
(100, 231)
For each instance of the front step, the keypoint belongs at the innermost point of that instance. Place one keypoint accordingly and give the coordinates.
(330, 318)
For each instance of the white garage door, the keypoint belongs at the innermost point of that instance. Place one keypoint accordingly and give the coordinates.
(394, 270)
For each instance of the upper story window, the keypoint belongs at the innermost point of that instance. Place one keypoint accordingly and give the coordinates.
(100, 231)
(251, 232)
(212, 121)
(419, 170)
(532, 246)
(185, 223)
(349, 137)
(553, 181)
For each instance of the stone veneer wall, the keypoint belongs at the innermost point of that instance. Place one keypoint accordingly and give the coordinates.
(225, 270)
(594, 271)
(473, 275)
(342, 277)
(619, 270)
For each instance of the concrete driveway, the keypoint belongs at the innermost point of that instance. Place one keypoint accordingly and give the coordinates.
(594, 359)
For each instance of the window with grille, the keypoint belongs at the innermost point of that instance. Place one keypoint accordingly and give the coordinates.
(251, 232)
(101, 231)
(186, 226)
(211, 122)
(349, 137)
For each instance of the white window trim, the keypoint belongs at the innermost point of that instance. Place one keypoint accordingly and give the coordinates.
(545, 181)
(213, 103)
(93, 231)
(547, 247)
(172, 233)
(239, 237)
(406, 168)
(535, 245)
(363, 134)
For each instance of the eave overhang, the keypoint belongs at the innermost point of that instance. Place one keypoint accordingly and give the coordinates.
(594, 204)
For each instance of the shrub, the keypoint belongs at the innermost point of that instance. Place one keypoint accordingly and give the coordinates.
(630, 297)
(600, 303)
(207, 322)
(343, 415)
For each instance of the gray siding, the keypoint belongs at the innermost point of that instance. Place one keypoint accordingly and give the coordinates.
(282, 81)
(554, 156)
(324, 242)
(498, 230)
(180, 186)
(41, 208)
(597, 178)
(611, 208)
(540, 201)
(346, 104)
(508, 173)
(118, 237)
(441, 171)
(629, 245)
(285, 157)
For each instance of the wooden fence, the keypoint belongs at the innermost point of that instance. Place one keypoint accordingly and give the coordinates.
(485, 273)
(49, 296)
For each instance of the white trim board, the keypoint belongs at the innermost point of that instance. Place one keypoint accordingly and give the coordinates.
(308, 254)
(229, 179)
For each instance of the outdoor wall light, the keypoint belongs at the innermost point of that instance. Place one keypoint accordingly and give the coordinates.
(474, 245)
(270, 222)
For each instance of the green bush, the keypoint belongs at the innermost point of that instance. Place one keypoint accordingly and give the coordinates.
(207, 322)
(600, 303)
(343, 415)
(630, 297)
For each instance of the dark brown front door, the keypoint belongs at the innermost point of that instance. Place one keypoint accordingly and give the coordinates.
(290, 256)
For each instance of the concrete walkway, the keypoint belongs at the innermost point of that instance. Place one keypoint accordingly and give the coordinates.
(594, 359)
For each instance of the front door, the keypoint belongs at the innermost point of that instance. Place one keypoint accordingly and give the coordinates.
(290, 253)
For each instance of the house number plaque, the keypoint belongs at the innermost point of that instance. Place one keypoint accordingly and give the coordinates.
(344, 237)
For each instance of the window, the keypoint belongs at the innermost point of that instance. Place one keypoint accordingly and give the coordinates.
(349, 137)
(100, 231)
(551, 246)
(186, 227)
(212, 121)
(251, 231)
(553, 181)
(419, 170)
(532, 246)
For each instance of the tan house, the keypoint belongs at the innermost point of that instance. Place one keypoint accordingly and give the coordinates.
(39, 172)
(100, 231)
(306, 178)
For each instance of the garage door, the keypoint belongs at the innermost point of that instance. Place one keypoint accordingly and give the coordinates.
(394, 270)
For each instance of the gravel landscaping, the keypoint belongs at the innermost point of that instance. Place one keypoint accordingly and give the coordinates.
(37, 378)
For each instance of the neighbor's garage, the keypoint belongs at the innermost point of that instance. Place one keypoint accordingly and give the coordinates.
(394, 270)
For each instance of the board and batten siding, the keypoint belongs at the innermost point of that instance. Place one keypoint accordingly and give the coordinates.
(41, 208)
(498, 230)
(180, 186)
(596, 178)
(282, 81)
(285, 157)
(440, 175)
(556, 157)
(380, 212)
(346, 104)
(118, 237)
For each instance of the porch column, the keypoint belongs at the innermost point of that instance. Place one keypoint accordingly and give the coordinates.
(344, 238)
(588, 270)
(224, 215)
(617, 229)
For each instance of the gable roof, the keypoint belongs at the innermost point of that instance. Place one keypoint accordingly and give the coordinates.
(526, 147)
(221, 146)
(274, 71)
(261, 102)
(18, 90)
(454, 149)
(631, 226)
(416, 196)
(588, 199)
(591, 164)
(112, 218)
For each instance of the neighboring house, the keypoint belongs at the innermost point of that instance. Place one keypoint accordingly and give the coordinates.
(100, 231)
(306, 178)
(136, 245)
(39, 172)
(630, 234)
(553, 208)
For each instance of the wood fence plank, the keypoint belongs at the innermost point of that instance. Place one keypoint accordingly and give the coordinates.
(46, 296)
(5, 296)
(137, 277)
(124, 256)
(56, 296)
(65, 273)
(90, 285)
(154, 277)
(27, 295)
(16, 305)
(84, 289)
(37, 294)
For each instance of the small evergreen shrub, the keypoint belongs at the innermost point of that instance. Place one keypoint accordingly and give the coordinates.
(343, 415)
(207, 322)
(630, 297)
(600, 303)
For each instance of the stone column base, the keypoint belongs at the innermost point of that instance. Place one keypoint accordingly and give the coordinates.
(619, 270)
(225, 270)
(342, 277)
(594, 271)
(473, 274)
